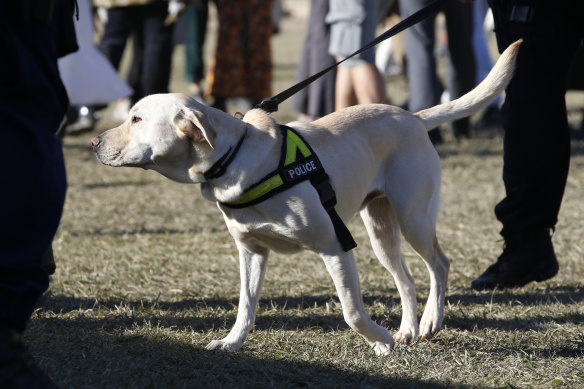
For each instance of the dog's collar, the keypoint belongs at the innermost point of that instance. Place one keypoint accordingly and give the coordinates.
(220, 167)
(298, 162)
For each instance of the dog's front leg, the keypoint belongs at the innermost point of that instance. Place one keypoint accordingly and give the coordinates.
(252, 267)
(343, 271)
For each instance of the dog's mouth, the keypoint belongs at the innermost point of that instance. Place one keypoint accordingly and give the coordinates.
(107, 155)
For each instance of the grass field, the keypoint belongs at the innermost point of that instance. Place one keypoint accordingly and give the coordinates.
(147, 275)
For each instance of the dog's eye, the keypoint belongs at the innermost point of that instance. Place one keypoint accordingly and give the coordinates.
(136, 119)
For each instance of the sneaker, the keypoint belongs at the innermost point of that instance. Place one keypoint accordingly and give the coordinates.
(17, 367)
(80, 120)
(524, 259)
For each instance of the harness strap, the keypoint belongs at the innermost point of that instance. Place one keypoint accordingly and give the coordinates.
(298, 163)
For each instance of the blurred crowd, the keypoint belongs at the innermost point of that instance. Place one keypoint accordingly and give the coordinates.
(240, 70)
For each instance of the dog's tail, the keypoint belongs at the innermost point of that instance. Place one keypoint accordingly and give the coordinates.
(478, 98)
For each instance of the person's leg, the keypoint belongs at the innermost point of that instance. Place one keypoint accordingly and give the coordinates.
(34, 192)
(117, 29)
(353, 26)
(318, 98)
(368, 84)
(536, 157)
(33, 181)
(421, 64)
(28, 224)
(462, 64)
(479, 41)
(257, 50)
(344, 92)
(158, 49)
(196, 17)
(136, 71)
(424, 85)
(537, 142)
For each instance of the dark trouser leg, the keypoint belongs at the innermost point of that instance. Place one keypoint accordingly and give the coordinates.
(536, 155)
(32, 195)
(461, 64)
(135, 73)
(120, 23)
(196, 15)
(425, 88)
(537, 143)
(158, 49)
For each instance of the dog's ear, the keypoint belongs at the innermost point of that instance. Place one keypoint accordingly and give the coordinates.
(195, 125)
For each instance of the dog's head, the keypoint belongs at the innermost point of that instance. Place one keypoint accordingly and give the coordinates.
(169, 133)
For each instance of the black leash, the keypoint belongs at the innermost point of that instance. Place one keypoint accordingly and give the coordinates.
(271, 104)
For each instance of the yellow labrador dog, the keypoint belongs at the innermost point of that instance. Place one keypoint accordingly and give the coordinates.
(378, 159)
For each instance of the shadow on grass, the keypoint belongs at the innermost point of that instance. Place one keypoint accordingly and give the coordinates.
(145, 231)
(79, 357)
(116, 184)
(277, 313)
(553, 295)
(297, 313)
(130, 346)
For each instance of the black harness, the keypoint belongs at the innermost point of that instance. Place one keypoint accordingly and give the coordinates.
(298, 163)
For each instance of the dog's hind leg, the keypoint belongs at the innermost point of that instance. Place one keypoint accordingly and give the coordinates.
(414, 194)
(343, 271)
(420, 232)
(433, 315)
(384, 232)
(252, 267)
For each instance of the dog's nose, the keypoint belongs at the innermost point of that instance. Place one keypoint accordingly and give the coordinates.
(95, 142)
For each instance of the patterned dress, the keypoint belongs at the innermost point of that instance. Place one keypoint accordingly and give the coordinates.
(242, 66)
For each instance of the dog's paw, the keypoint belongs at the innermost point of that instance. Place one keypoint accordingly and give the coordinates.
(405, 336)
(429, 328)
(382, 349)
(222, 344)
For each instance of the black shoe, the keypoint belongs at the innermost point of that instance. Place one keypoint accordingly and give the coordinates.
(530, 257)
(17, 367)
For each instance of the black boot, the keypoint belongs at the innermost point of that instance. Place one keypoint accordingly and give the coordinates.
(525, 258)
(17, 367)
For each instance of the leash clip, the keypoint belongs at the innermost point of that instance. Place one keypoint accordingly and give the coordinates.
(268, 105)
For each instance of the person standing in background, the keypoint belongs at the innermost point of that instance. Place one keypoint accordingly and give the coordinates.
(196, 16)
(352, 26)
(318, 98)
(536, 146)
(242, 67)
(146, 19)
(491, 116)
(425, 86)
